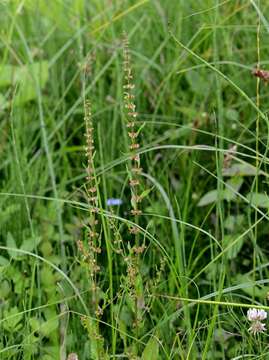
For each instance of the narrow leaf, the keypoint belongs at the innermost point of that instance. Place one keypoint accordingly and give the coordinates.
(151, 351)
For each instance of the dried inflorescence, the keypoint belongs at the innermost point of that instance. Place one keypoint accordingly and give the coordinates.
(92, 250)
(133, 132)
(133, 279)
(262, 74)
(257, 327)
(93, 235)
(117, 238)
(89, 152)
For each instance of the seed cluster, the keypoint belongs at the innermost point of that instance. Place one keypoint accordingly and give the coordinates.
(89, 152)
(93, 235)
(90, 253)
(133, 132)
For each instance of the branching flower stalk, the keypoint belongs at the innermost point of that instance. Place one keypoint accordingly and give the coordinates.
(93, 235)
(91, 251)
(133, 132)
(133, 273)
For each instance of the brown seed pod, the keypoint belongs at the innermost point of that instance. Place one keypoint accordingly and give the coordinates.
(134, 146)
(134, 182)
(136, 212)
(262, 74)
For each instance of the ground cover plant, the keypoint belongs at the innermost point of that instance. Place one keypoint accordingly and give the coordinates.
(134, 174)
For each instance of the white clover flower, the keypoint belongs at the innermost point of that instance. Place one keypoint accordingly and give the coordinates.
(256, 315)
(257, 327)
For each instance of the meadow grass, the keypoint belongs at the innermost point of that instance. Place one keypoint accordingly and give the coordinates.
(170, 270)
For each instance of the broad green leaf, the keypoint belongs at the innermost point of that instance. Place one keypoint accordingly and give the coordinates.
(222, 335)
(151, 351)
(13, 319)
(47, 278)
(241, 170)
(212, 270)
(234, 250)
(33, 346)
(5, 289)
(233, 222)
(260, 292)
(234, 183)
(46, 248)
(29, 78)
(11, 244)
(30, 244)
(3, 261)
(259, 199)
(49, 326)
(174, 134)
(35, 324)
(7, 213)
(126, 316)
(209, 198)
(232, 114)
(21, 282)
(226, 194)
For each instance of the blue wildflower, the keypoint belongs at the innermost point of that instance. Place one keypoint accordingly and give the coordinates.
(112, 202)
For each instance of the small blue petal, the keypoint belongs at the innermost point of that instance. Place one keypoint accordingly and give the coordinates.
(111, 202)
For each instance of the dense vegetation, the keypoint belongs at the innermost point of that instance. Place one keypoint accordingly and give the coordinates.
(155, 244)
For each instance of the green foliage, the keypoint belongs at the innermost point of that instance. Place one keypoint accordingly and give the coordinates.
(151, 351)
(27, 81)
(259, 200)
(229, 193)
(180, 287)
(199, 84)
(97, 351)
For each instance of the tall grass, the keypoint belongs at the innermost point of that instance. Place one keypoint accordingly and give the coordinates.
(155, 246)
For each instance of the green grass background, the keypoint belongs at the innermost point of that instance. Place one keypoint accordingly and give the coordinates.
(205, 220)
